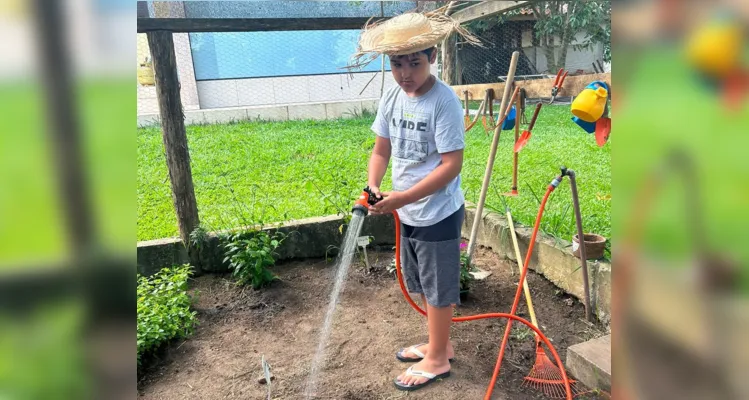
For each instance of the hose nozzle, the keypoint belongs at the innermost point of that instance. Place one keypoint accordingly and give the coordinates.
(366, 199)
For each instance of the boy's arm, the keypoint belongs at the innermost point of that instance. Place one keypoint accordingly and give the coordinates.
(378, 163)
(451, 165)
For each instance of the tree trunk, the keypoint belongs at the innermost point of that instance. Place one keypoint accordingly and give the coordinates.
(551, 60)
(174, 136)
(448, 59)
(562, 59)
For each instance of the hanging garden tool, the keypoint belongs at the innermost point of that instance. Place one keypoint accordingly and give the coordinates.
(489, 99)
(523, 96)
(514, 189)
(476, 118)
(544, 375)
(558, 82)
(523, 140)
(467, 117)
(509, 122)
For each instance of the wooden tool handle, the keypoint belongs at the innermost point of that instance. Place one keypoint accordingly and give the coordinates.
(465, 93)
(492, 155)
(535, 115)
(519, 257)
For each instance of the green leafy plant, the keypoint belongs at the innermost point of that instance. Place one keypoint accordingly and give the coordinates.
(465, 269)
(391, 268)
(250, 254)
(521, 333)
(164, 308)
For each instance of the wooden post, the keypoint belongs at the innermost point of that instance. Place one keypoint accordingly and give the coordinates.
(173, 129)
(448, 59)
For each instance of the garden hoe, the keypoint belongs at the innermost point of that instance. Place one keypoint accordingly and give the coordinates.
(523, 140)
(545, 375)
(489, 99)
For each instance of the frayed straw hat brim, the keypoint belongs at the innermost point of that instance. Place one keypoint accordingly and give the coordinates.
(405, 34)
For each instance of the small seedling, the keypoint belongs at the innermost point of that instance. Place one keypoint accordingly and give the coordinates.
(391, 267)
(521, 333)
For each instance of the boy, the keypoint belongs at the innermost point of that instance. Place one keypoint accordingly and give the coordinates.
(419, 124)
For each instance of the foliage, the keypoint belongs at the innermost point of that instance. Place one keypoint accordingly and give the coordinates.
(564, 19)
(164, 308)
(250, 254)
(465, 269)
(391, 268)
(521, 332)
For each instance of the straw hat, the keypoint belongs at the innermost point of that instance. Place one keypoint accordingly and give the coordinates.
(405, 34)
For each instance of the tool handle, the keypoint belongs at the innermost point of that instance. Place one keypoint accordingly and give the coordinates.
(535, 115)
(465, 93)
(519, 257)
(559, 75)
(561, 81)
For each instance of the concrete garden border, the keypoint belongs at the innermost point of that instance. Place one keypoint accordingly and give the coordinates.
(311, 238)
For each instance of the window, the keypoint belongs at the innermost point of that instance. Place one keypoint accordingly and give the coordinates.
(234, 55)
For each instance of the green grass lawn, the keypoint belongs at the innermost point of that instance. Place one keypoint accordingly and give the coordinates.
(275, 171)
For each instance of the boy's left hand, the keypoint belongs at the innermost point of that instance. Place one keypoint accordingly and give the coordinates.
(391, 201)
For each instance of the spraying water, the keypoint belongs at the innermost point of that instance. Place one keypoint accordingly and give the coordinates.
(344, 262)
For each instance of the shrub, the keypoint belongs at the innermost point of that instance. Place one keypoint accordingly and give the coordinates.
(465, 269)
(250, 254)
(164, 308)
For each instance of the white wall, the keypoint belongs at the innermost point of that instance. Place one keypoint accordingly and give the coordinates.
(290, 90)
(582, 59)
(266, 91)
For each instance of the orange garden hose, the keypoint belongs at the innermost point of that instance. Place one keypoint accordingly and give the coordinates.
(511, 316)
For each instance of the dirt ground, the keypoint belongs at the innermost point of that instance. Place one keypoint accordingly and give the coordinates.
(373, 321)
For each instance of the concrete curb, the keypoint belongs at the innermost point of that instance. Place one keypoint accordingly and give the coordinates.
(552, 257)
(313, 237)
(307, 238)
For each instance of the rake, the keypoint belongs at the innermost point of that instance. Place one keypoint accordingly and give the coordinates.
(545, 376)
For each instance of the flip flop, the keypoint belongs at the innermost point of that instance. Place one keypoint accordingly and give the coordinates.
(413, 349)
(412, 372)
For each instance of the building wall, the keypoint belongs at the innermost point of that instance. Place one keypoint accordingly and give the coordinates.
(576, 59)
(290, 90)
(147, 102)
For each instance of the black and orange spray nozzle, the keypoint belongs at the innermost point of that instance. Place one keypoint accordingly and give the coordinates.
(366, 199)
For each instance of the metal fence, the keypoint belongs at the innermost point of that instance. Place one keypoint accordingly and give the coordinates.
(291, 74)
(503, 34)
(268, 74)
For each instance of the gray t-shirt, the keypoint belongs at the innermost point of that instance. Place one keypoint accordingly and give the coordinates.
(420, 129)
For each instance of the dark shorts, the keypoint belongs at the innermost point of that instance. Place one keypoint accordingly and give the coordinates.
(430, 259)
